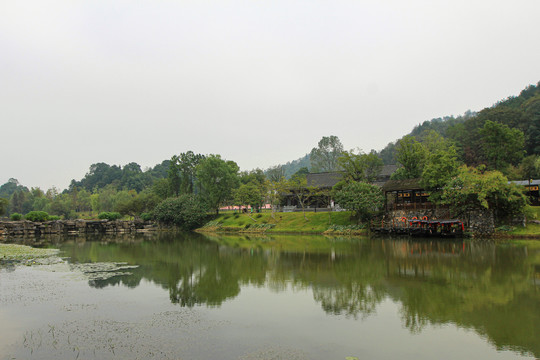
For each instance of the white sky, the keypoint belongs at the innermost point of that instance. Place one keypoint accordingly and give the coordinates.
(259, 82)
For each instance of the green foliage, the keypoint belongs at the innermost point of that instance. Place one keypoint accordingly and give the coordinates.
(181, 173)
(301, 173)
(325, 156)
(275, 173)
(472, 190)
(441, 163)
(252, 194)
(37, 216)
(360, 166)
(186, 211)
(4, 203)
(147, 216)
(501, 145)
(301, 191)
(364, 199)
(411, 155)
(109, 215)
(216, 179)
(54, 217)
(15, 217)
(135, 204)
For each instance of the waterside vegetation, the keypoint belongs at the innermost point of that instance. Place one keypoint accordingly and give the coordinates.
(463, 163)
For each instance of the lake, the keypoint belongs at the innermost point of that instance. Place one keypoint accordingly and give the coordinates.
(195, 296)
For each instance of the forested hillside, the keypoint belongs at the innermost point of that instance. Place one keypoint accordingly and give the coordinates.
(500, 137)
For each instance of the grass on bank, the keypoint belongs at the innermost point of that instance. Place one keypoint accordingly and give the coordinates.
(290, 222)
(531, 229)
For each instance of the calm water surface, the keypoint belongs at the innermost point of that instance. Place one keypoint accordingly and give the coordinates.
(192, 296)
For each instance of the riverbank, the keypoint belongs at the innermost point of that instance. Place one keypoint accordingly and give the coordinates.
(337, 223)
(334, 223)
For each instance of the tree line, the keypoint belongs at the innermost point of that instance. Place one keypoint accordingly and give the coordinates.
(477, 150)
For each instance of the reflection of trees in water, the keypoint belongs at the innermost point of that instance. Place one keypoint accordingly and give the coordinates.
(476, 285)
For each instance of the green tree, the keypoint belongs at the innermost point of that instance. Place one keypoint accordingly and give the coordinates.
(3, 206)
(474, 189)
(276, 189)
(360, 166)
(18, 198)
(364, 199)
(502, 146)
(325, 156)
(61, 205)
(530, 167)
(301, 191)
(441, 162)
(216, 179)
(275, 173)
(140, 203)
(186, 211)
(161, 188)
(187, 163)
(532, 133)
(173, 175)
(411, 155)
(252, 194)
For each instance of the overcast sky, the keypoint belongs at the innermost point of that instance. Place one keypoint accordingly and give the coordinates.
(259, 82)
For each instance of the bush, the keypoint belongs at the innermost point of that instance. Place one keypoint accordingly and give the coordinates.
(37, 216)
(54, 217)
(16, 217)
(147, 217)
(109, 216)
(186, 211)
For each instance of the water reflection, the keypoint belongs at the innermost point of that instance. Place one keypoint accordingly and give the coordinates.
(491, 289)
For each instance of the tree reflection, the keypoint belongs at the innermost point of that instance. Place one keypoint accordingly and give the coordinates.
(479, 286)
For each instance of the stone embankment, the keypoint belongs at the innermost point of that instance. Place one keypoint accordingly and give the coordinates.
(479, 223)
(29, 228)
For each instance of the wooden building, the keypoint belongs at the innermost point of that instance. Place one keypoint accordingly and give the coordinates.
(531, 190)
(405, 195)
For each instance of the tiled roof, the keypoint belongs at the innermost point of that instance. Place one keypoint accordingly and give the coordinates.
(324, 180)
(407, 184)
(526, 182)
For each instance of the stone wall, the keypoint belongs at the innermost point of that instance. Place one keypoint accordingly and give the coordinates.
(29, 228)
(480, 223)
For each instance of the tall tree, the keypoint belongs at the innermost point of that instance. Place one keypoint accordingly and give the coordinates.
(441, 162)
(411, 155)
(187, 163)
(3, 206)
(275, 173)
(359, 166)
(325, 156)
(216, 179)
(173, 175)
(501, 145)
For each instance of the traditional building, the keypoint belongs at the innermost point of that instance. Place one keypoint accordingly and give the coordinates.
(531, 190)
(405, 194)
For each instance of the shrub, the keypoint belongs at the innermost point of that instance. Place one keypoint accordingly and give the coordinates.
(147, 216)
(109, 216)
(37, 216)
(16, 217)
(186, 211)
(54, 217)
